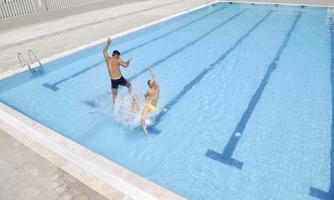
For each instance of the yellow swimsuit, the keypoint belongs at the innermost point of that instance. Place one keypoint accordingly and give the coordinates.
(152, 99)
(152, 107)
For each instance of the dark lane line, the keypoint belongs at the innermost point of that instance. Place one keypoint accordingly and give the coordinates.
(200, 76)
(226, 156)
(92, 103)
(53, 86)
(158, 62)
(314, 191)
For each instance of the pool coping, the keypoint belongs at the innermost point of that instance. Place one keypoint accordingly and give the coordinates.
(94, 170)
(99, 173)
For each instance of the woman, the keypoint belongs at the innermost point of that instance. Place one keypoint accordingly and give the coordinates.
(152, 96)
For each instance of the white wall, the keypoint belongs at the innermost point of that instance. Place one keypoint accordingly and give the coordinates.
(17, 8)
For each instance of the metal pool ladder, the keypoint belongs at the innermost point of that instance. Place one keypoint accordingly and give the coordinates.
(22, 61)
(33, 61)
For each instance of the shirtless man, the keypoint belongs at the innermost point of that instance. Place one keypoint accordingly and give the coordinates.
(152, 96)
(115, 74)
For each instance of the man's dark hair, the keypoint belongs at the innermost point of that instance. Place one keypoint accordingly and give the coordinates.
(116, 53)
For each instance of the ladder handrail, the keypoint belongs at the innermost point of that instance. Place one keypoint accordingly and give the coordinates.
(22, 61)
(31, 53)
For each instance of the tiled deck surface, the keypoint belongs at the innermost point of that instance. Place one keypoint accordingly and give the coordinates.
(25, 174)
(42, 15)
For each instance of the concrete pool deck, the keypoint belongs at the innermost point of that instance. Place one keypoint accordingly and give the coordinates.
(25, 173)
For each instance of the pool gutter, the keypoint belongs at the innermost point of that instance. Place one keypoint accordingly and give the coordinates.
(97, 172)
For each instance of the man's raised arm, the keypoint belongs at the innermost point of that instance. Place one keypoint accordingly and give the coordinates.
(105, 50)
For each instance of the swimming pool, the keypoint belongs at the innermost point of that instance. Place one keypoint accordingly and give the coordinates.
(245, 103)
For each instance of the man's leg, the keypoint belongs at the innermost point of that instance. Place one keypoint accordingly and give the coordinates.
(127, 84)
(129, 88)
(114, 95)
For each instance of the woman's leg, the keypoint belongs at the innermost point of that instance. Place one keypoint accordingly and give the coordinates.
(144, 115)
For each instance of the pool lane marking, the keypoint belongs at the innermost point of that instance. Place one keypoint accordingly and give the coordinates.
(226, 156)
(92, 103)
(200, 76)
(53, 86)
(158, 62)
(320, 194)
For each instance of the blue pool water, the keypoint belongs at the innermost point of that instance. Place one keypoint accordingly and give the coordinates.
(245, 109)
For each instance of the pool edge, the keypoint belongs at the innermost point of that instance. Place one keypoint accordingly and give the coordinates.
(92, 169)
(71, 167)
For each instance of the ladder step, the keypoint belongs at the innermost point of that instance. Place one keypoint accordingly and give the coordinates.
(33, 60)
